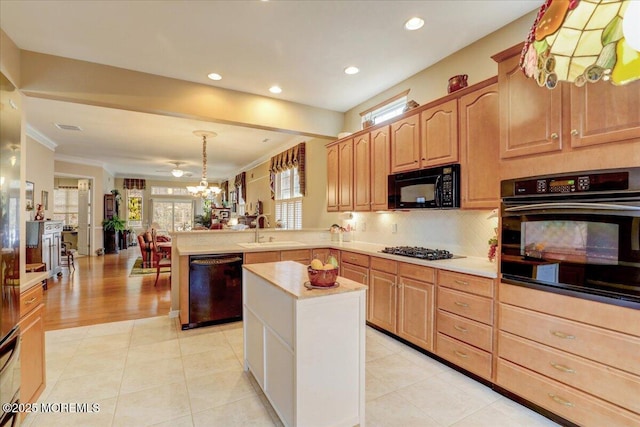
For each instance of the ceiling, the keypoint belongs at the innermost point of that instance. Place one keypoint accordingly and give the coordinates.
(302, 46)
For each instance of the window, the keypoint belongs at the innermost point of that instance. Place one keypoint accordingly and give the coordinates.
(386, 110)
(172, 215)
(288, 199)
(169, 191)
(65, 206)
(134, 208)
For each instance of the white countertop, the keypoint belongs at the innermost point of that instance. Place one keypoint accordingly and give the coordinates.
(471, 265)
(290, 276)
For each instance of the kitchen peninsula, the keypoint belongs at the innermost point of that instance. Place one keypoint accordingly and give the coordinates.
(305, 347)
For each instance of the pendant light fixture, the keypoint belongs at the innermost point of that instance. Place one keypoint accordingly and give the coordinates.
(203, 190)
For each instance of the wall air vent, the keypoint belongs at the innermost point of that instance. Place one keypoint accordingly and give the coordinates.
(68, 127)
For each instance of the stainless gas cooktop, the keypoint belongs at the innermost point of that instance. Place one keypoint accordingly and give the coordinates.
(420, 252)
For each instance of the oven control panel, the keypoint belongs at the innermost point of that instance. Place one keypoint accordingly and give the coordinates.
(573, 183)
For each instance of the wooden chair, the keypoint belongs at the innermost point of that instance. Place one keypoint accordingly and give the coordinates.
(69, 254)
(160, 257)
(145, 250)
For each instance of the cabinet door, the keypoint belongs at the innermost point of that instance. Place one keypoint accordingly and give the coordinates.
(55, 252)
(416, 308)
(379, 168)
(357, 274)
(362, 173)
(47, 248)
(382, 291)
(439, 135)
(345, 175)
(530, 116)
(260, 257)
(32, 368)
(323, 254)
(479, 119)
(302, 256)
(602, 113)
(405, 144)
(332, 178)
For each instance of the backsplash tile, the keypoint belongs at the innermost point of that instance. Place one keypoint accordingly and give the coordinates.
(459, 231)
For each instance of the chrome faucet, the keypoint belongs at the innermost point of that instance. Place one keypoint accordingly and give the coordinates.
(258, 226)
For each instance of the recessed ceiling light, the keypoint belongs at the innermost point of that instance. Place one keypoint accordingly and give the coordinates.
(351, 70)
(214, 76)
(275, 89)
(414, 23)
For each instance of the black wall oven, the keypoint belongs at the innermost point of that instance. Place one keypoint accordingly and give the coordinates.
(576, 234)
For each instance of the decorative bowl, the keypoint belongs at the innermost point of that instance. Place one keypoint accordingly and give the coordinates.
(322, 277)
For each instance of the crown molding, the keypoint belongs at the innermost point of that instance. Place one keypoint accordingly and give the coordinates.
(41, 138)
(83, 161)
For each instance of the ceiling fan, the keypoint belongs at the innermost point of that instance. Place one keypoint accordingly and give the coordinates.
(177, 171)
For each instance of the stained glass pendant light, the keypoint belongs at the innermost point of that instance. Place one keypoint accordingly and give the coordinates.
(203, 190)
(582, 41)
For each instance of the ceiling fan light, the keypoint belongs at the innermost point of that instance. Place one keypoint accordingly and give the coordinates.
(177, 173)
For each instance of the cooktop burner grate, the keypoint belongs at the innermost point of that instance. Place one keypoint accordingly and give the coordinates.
(419, 252)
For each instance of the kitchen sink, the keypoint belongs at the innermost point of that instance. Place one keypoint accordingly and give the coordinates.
(276, 244)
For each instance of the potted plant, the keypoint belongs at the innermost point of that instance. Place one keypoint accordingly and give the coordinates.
(112, 228)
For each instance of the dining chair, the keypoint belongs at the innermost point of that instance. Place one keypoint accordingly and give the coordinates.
(67, 256)
(161, 258)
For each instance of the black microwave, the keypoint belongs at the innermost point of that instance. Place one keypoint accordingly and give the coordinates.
(433, 188)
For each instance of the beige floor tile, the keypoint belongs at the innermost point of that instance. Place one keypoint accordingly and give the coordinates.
(209, 391)
(203, 342)
(89, 364)
(55, 368)
(470, 386)
(443, 402)
(521, 414)
(152, 406)
(89, 388)
(113, 328)
(150, 333)
(185, 421)
(376, 350)
(245, 412)
(392, 410)
(101, 344)
(220, 359)
(144, 375)
(376, 387)
(61, 349)
(424, 362)
(71, 334)
(154, 351)
(396, 371)
(100, 413)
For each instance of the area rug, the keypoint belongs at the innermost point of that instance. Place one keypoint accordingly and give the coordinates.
(137, 269)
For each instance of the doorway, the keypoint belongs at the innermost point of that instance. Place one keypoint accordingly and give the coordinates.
(72, 205)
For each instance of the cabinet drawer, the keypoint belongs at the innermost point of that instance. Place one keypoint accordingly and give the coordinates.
(417, 272)
(465, 282)
(355, 258)
(466, 305)
(386, 265)
(260, 257)
(469, 331)
(302, 255)
(602, 381)
(565, 401)
(465, 356)
(30, 299)
(600, 345)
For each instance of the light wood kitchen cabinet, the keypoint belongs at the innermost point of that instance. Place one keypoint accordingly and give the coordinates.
(405, 144)
(479, 123)
(380, 146)
(383, 294)
(439, 135)
(260, 257)
(323, 254)
(345, 175)
(303, 256)
(465, 321)
(416, 304)
(574, 357)
(362, 173)
(530, 116)
(355, 266)
(333, 173)
(32, 362)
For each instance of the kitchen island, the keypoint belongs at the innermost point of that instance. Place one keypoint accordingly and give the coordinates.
(305, 347)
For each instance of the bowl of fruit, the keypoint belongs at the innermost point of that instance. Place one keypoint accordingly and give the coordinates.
(322, 275)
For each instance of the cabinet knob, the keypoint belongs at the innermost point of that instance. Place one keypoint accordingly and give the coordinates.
(554, 135)
(574, 132)
(415, 161)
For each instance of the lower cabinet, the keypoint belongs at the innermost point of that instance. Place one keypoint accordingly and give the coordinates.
(355, 266)
(579, 359)
(32, 362)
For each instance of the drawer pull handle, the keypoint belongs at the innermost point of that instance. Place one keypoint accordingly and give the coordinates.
(562, 335)
(460, 354)
(461, 304)
(31, 301)
(460, 328)
(560, 400)
(462, 282)
(562, 368)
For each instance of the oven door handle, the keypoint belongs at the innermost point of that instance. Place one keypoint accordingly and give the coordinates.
(569, 205)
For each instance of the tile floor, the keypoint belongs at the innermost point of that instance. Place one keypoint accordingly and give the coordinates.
(148, 372)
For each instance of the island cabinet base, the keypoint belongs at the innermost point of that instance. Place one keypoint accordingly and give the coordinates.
(306, 353)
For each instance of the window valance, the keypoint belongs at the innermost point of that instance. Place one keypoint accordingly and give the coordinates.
(134, 184)
(289, 159)
(241, 184)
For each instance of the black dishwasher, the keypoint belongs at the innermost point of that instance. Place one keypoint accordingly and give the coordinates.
(215, 289)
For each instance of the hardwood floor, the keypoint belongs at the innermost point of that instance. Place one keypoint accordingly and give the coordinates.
(100, 291)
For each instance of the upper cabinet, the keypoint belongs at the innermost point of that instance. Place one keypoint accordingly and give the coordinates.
(405, 144)
(362, 173)
(345, 175)
(479, 127)
(530, 117)
(380, 146)
(332, 177)
(439, 134)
